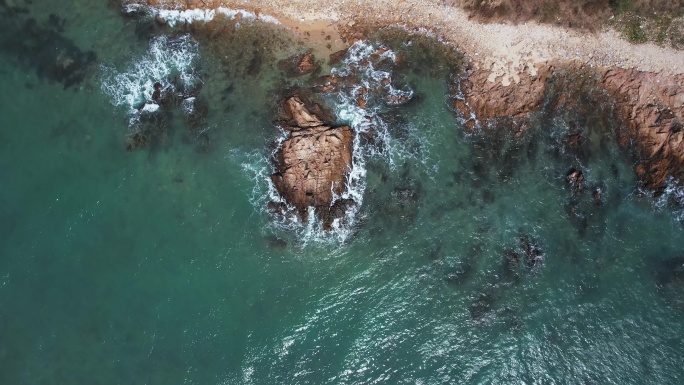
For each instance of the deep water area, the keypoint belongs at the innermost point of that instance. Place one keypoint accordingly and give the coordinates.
(136, 246)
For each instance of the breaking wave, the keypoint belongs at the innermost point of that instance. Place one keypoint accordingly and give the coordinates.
(172, 17)
(169, 67)
(360, 106)
(671, 198)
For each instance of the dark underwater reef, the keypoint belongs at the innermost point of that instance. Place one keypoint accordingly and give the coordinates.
(41, 46)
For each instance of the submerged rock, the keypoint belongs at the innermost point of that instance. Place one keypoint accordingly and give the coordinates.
(482, 307)
(312, 165)
(528, 255)
(43, 46)
(597, 196)
(534, 256)
(300, 64)
(575, 179)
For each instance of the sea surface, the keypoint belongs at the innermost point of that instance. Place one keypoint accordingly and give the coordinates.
(468, 259)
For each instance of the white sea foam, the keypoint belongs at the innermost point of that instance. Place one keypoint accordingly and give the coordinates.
(166, 59)
(672, 198)
(360, 62)
(150, 107)
(188, 16)
(188, 105)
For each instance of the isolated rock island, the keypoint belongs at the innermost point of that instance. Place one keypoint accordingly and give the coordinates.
(313, 163)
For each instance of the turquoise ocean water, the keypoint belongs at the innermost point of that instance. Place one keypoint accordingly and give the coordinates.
(161, 266)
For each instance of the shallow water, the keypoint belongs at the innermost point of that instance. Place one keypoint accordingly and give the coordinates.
(161, 266)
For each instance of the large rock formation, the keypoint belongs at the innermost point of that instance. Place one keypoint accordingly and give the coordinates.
(481, 101)
(312, 165)
(650, 105)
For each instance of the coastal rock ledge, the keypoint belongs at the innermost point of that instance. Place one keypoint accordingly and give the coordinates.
(649, 105)
(312, 165)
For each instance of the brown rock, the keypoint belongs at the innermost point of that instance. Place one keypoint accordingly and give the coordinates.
(300, 64)
(651, 105)
(574, 141)
(597, 194)
(488, 102)
(298, 115)
(397, 99)
(361, 97)
(575, 179)
(313, 163)
(337, 57)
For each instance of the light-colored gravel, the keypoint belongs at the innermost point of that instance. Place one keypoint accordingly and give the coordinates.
(504, 49)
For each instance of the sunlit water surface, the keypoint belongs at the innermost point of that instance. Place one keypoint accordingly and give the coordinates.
(161, 266)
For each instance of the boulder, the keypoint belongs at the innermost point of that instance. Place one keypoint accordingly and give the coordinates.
(298, 116)
(313, 163)
(337, 57)
(481, 101)
(575, 179)
(330, 83)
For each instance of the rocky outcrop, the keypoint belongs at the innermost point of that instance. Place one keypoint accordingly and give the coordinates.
(481, 101)
(650, 105)
(312, 165)
(575, 179)
(300, 64)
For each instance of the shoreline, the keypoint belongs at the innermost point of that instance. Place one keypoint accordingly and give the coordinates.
(512, 69)
(505, 50)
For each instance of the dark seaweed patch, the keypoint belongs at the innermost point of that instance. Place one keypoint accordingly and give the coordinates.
(528, 256)
(150, 130)
(42, 47)
(457, 275)
(482, 307)
(669, 275)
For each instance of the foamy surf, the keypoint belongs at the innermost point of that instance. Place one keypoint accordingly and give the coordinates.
(361, 62)
(371, 67)
(174, 17)
(671, 198)
(169, 66)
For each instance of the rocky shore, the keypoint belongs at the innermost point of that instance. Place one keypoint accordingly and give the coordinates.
(513, 72)
(649, 105)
